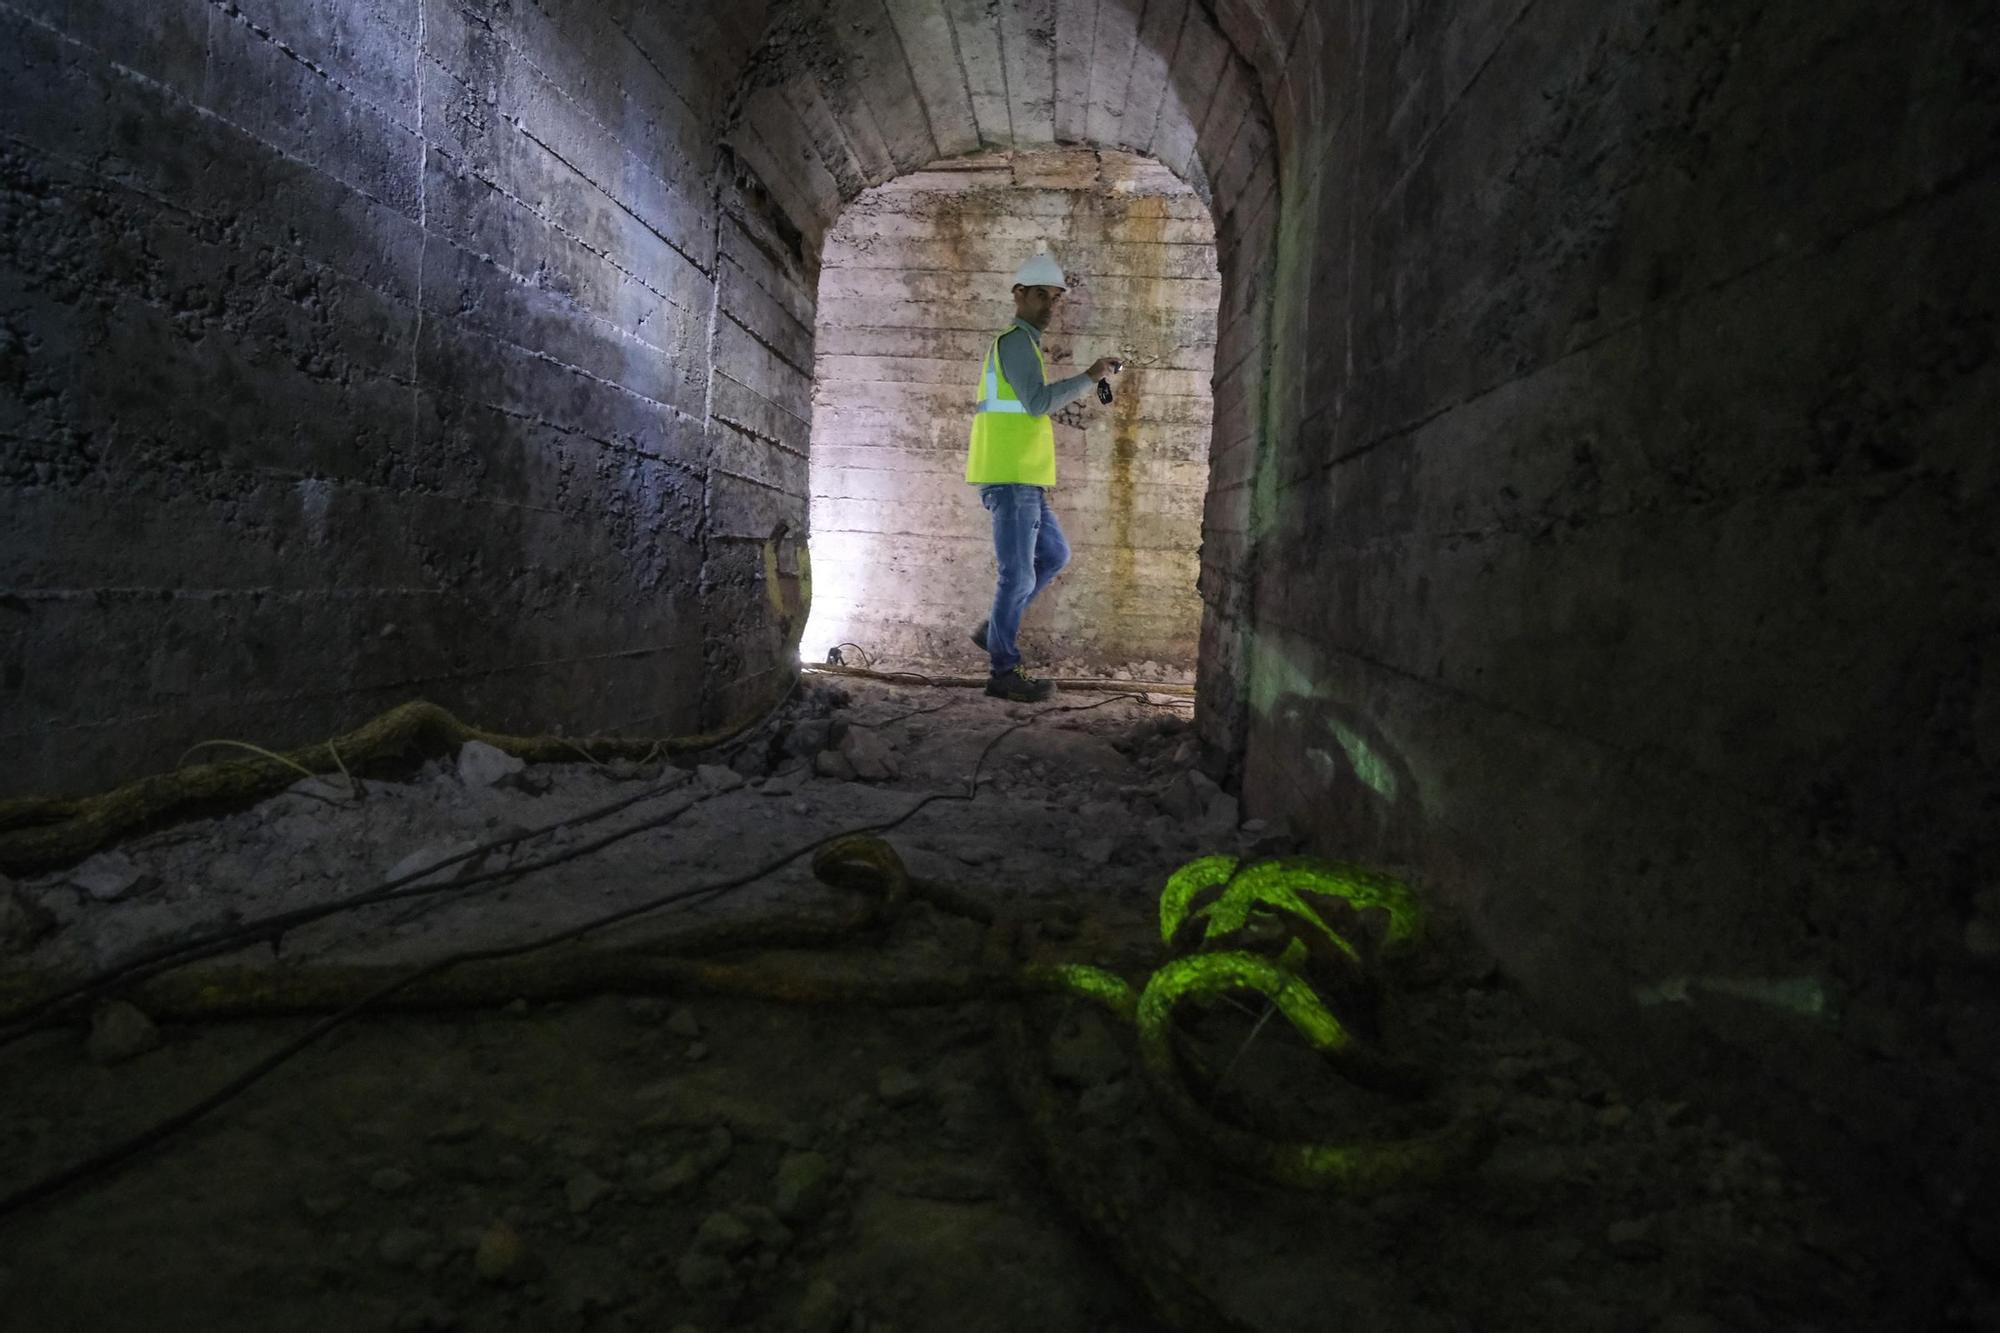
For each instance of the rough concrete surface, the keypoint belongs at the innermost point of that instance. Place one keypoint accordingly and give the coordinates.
(1624, 547)
(913, 285)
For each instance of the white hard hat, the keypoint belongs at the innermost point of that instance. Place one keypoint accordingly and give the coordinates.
(1041, 271)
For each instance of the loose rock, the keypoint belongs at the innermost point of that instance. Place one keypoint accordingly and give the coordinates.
(897, 1086)
(402, 1247)
(119, 1031)
(23, 921)
(501, 1254)
(700, 1273)
(1083, 1052)
(483, 765)
(584, 1190)
(431, 855)
(1633, 1238)
(391, 1180)
(109, 876)
(869, 755)
(821, 1310)
(1189, 796)
(690, 1168)
(724, 1233)
(718, 777)
(805, 1182)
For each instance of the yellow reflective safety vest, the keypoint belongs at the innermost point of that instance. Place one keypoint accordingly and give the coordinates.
(1008, 445)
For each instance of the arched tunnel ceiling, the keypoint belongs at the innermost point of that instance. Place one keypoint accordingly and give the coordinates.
(846, 94)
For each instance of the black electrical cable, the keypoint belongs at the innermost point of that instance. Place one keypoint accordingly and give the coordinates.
(99, 1162)
(137, 968)
(51, 1008)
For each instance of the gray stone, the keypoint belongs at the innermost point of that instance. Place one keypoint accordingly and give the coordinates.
(403, 1247)
(431, 855)
(951, 1182)
(717, 778)
(1084, 1052)
(322, 790)
(631, 770)
(701, 1273)
(585, 1190)
(871, 757)
(481, 765)
(119, 1031)
(822, 1309)
(1188, 797)
(809, 738)
(645, 1008)
(833, 764)
(804, 1185)
(897, 1086)
(1219, 820)
(429, 1315)
(690, 1168)
(23, 921)
(1686, 1321)
(1634, 1238)
(109, 876)
(1982, 937)
(1108, 1102)
(724, 1234)
(457, 1129)
(682, 1023)
(391, 1180)
(763, 1222)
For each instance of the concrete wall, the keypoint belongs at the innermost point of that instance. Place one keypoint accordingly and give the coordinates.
(914, 283)
(360, 349)
(848, 94)
(1625, 538)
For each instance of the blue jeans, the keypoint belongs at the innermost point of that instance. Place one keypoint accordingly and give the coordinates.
(1028, 544)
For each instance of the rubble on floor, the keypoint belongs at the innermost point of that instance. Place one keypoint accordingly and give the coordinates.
(699, 1164)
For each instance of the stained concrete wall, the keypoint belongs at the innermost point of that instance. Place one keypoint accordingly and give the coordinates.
(1626, 539)
(848, 94)
(915, 281)
(362, 350)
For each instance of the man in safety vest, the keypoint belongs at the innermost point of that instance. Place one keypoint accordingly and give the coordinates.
(1013, 462)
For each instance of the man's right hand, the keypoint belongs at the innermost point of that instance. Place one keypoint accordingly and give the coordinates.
(1105, 365)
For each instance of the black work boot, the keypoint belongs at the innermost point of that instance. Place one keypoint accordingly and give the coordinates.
(1019, 687)
(979, 635)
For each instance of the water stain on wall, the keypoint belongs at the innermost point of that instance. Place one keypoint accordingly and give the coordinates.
(917, 282)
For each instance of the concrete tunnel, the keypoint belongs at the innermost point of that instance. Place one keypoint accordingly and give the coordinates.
(1555, 473)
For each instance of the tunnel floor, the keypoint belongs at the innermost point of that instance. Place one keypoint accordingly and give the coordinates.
(701, 1161)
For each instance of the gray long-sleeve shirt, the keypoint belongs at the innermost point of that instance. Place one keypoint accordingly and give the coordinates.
(1024, 372)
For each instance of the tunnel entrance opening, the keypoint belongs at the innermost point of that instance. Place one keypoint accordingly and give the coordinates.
(915, 281)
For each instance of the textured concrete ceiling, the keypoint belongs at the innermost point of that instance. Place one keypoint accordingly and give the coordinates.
(846, 94)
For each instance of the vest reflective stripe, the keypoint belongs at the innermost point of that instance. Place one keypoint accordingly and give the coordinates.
(992, 401)
(1008, 444)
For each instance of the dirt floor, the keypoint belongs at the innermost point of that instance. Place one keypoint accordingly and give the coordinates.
(674, 1158)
